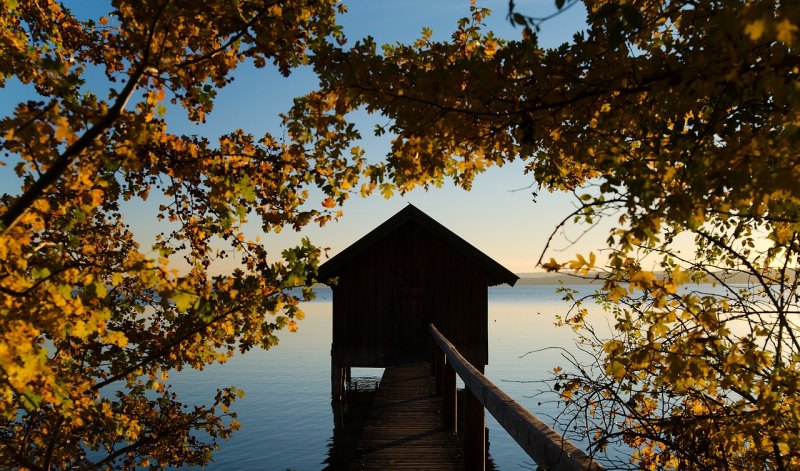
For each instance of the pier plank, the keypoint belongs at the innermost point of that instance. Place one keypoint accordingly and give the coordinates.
(404, 428)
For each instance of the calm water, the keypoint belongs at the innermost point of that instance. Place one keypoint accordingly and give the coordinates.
(286, 416)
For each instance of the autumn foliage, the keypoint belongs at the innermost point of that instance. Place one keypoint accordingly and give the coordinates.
(92, 323)
(677, 120)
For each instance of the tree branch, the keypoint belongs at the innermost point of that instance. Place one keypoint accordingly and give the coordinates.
(62, 163)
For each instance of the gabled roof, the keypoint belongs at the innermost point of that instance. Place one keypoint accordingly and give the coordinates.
(498, 274)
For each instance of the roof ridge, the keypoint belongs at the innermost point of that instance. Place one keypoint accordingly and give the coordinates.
(498, 273)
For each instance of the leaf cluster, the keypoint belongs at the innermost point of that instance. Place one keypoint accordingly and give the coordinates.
(92, 322)
(675, 119)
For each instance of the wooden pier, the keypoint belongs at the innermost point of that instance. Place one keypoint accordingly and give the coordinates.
(404, 429)
(413, 420)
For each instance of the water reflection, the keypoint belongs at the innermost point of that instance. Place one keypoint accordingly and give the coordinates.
(349, 417)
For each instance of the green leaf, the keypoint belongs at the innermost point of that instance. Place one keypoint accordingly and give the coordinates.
(40, 273)
(183, 299)
(30, 400)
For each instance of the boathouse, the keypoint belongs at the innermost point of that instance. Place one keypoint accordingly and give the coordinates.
(392, 283)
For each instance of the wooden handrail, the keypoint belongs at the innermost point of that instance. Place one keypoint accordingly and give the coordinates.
(544, 445)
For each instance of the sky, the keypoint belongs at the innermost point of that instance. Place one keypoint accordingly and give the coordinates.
(498, 216)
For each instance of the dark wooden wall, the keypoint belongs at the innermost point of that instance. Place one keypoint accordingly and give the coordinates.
(386, 297)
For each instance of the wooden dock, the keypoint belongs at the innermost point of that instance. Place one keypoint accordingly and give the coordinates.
(404, 428)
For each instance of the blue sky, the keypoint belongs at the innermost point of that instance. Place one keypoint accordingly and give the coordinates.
(498, 215)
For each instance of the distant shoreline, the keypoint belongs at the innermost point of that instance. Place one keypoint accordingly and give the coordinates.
(555, 279)
(596, 278)
(526, 279)
(540, 279)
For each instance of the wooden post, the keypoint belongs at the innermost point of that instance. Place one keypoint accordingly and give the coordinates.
(449, 397)
(338, 415)
(337, 381)
(474, 436)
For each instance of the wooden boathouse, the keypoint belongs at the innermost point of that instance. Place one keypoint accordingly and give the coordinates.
(412, 297)
(392, 283)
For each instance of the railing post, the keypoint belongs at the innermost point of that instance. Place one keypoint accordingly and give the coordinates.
(449, 397)
(474, 433)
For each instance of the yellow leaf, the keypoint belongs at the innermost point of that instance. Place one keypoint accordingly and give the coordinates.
(786, 31)
(616, 293)
(116, 279)
(62, 129)
(96, 196)
(100, 289)
(116, 338)
(755, 29)
(616, 370)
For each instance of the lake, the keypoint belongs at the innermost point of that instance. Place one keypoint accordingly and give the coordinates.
(286, 416)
